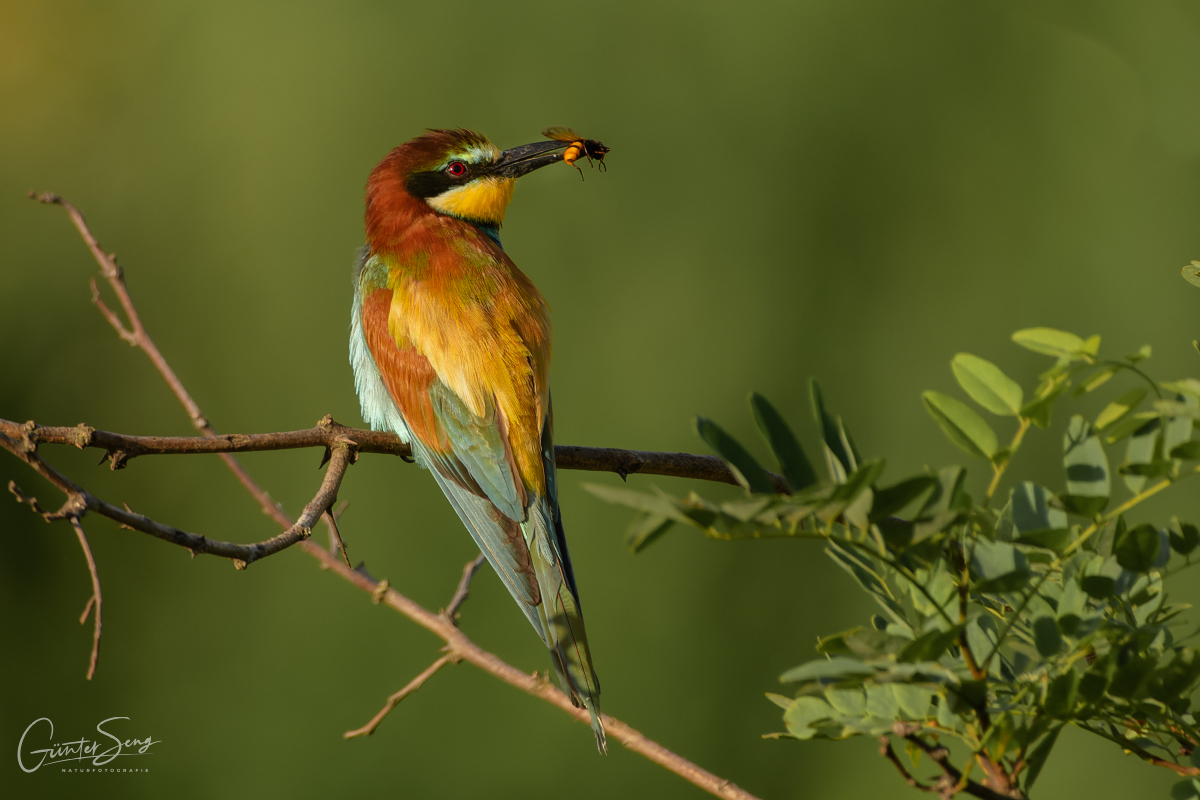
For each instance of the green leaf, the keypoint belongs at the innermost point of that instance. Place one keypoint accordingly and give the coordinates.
(1072, 602)
(1188, 788)
(929, 646)
(1096, 379)
(745, 469)
(1118, 409)
(1000, 566)
(964, 427)
(1086, 463)
(803, 712)
(837, 455)
(1051, 342)
(987, 384)
(882, 706)
(858, 480)
(792, 460)
(967, 696)
(862, 642)
(866, 576)
(1031, 509)
(1061, 694)
(1144, 352)
(1095, 680)
(1137, 549)
(1184, 537)
(1191, 273)
(1179, 679)
(946, 716)
(1185, 386)
(1188, 451)
(894, 498)
(840, 667)
(1040, 408)
(1177, 429)
(1037, 757)
(780, 700)
(1131, 675)
(1056, 539)
(645, 529)
(1140, 450)
(1046, 636)
(1082, 506)
(642, 501)
(913, 700)
(1100, 587)
(847, 702)
(1129, 425)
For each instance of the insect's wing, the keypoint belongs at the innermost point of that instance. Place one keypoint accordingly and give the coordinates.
(562, 134)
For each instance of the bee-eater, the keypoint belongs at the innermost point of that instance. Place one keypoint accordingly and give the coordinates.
(450, 345)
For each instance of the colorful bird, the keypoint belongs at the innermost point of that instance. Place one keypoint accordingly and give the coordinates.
(450, 345)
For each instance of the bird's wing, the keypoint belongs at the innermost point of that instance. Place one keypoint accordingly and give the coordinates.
(469, 454)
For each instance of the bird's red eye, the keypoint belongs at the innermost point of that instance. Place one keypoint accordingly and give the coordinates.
(457, 169)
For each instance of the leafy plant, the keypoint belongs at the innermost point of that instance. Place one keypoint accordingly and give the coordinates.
(1002, 619)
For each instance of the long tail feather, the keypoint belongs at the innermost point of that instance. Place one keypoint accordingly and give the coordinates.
(562, 619)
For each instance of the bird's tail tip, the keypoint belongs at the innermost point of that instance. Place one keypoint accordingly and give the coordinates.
(597, 725)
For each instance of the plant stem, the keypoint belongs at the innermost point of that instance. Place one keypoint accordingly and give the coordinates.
(998, 472)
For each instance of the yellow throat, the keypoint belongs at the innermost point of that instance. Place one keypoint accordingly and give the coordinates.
(483, 200)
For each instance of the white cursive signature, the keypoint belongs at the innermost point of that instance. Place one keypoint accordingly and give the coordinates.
(81, 749)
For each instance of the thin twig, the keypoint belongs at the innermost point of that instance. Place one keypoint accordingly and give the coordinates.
(464, 588)
(1141, 752)
(458, 645)
(331, 521)
(95, 602)
(885, 750)
(394, 700)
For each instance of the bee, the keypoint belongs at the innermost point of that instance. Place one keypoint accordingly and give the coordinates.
(588, 148)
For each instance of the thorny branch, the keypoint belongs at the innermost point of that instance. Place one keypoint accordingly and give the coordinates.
(952, 780)
(79, 501)
(343, 450)
(885, 750)
(120, 448)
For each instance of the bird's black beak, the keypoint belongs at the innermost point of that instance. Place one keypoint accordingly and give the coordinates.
(522, 160)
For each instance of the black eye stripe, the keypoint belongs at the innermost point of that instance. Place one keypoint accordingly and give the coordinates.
(429, 184)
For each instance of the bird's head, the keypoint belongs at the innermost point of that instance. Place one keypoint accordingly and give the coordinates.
(457, 173)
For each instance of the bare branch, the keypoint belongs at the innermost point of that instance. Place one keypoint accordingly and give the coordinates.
(1139, 751)
(464, 589)
(885, 750)
(112, 318)
(79, 502)
(120, 448)
(95, 601)
(394, 700)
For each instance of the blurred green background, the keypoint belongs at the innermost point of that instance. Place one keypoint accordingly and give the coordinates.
(848, 190)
